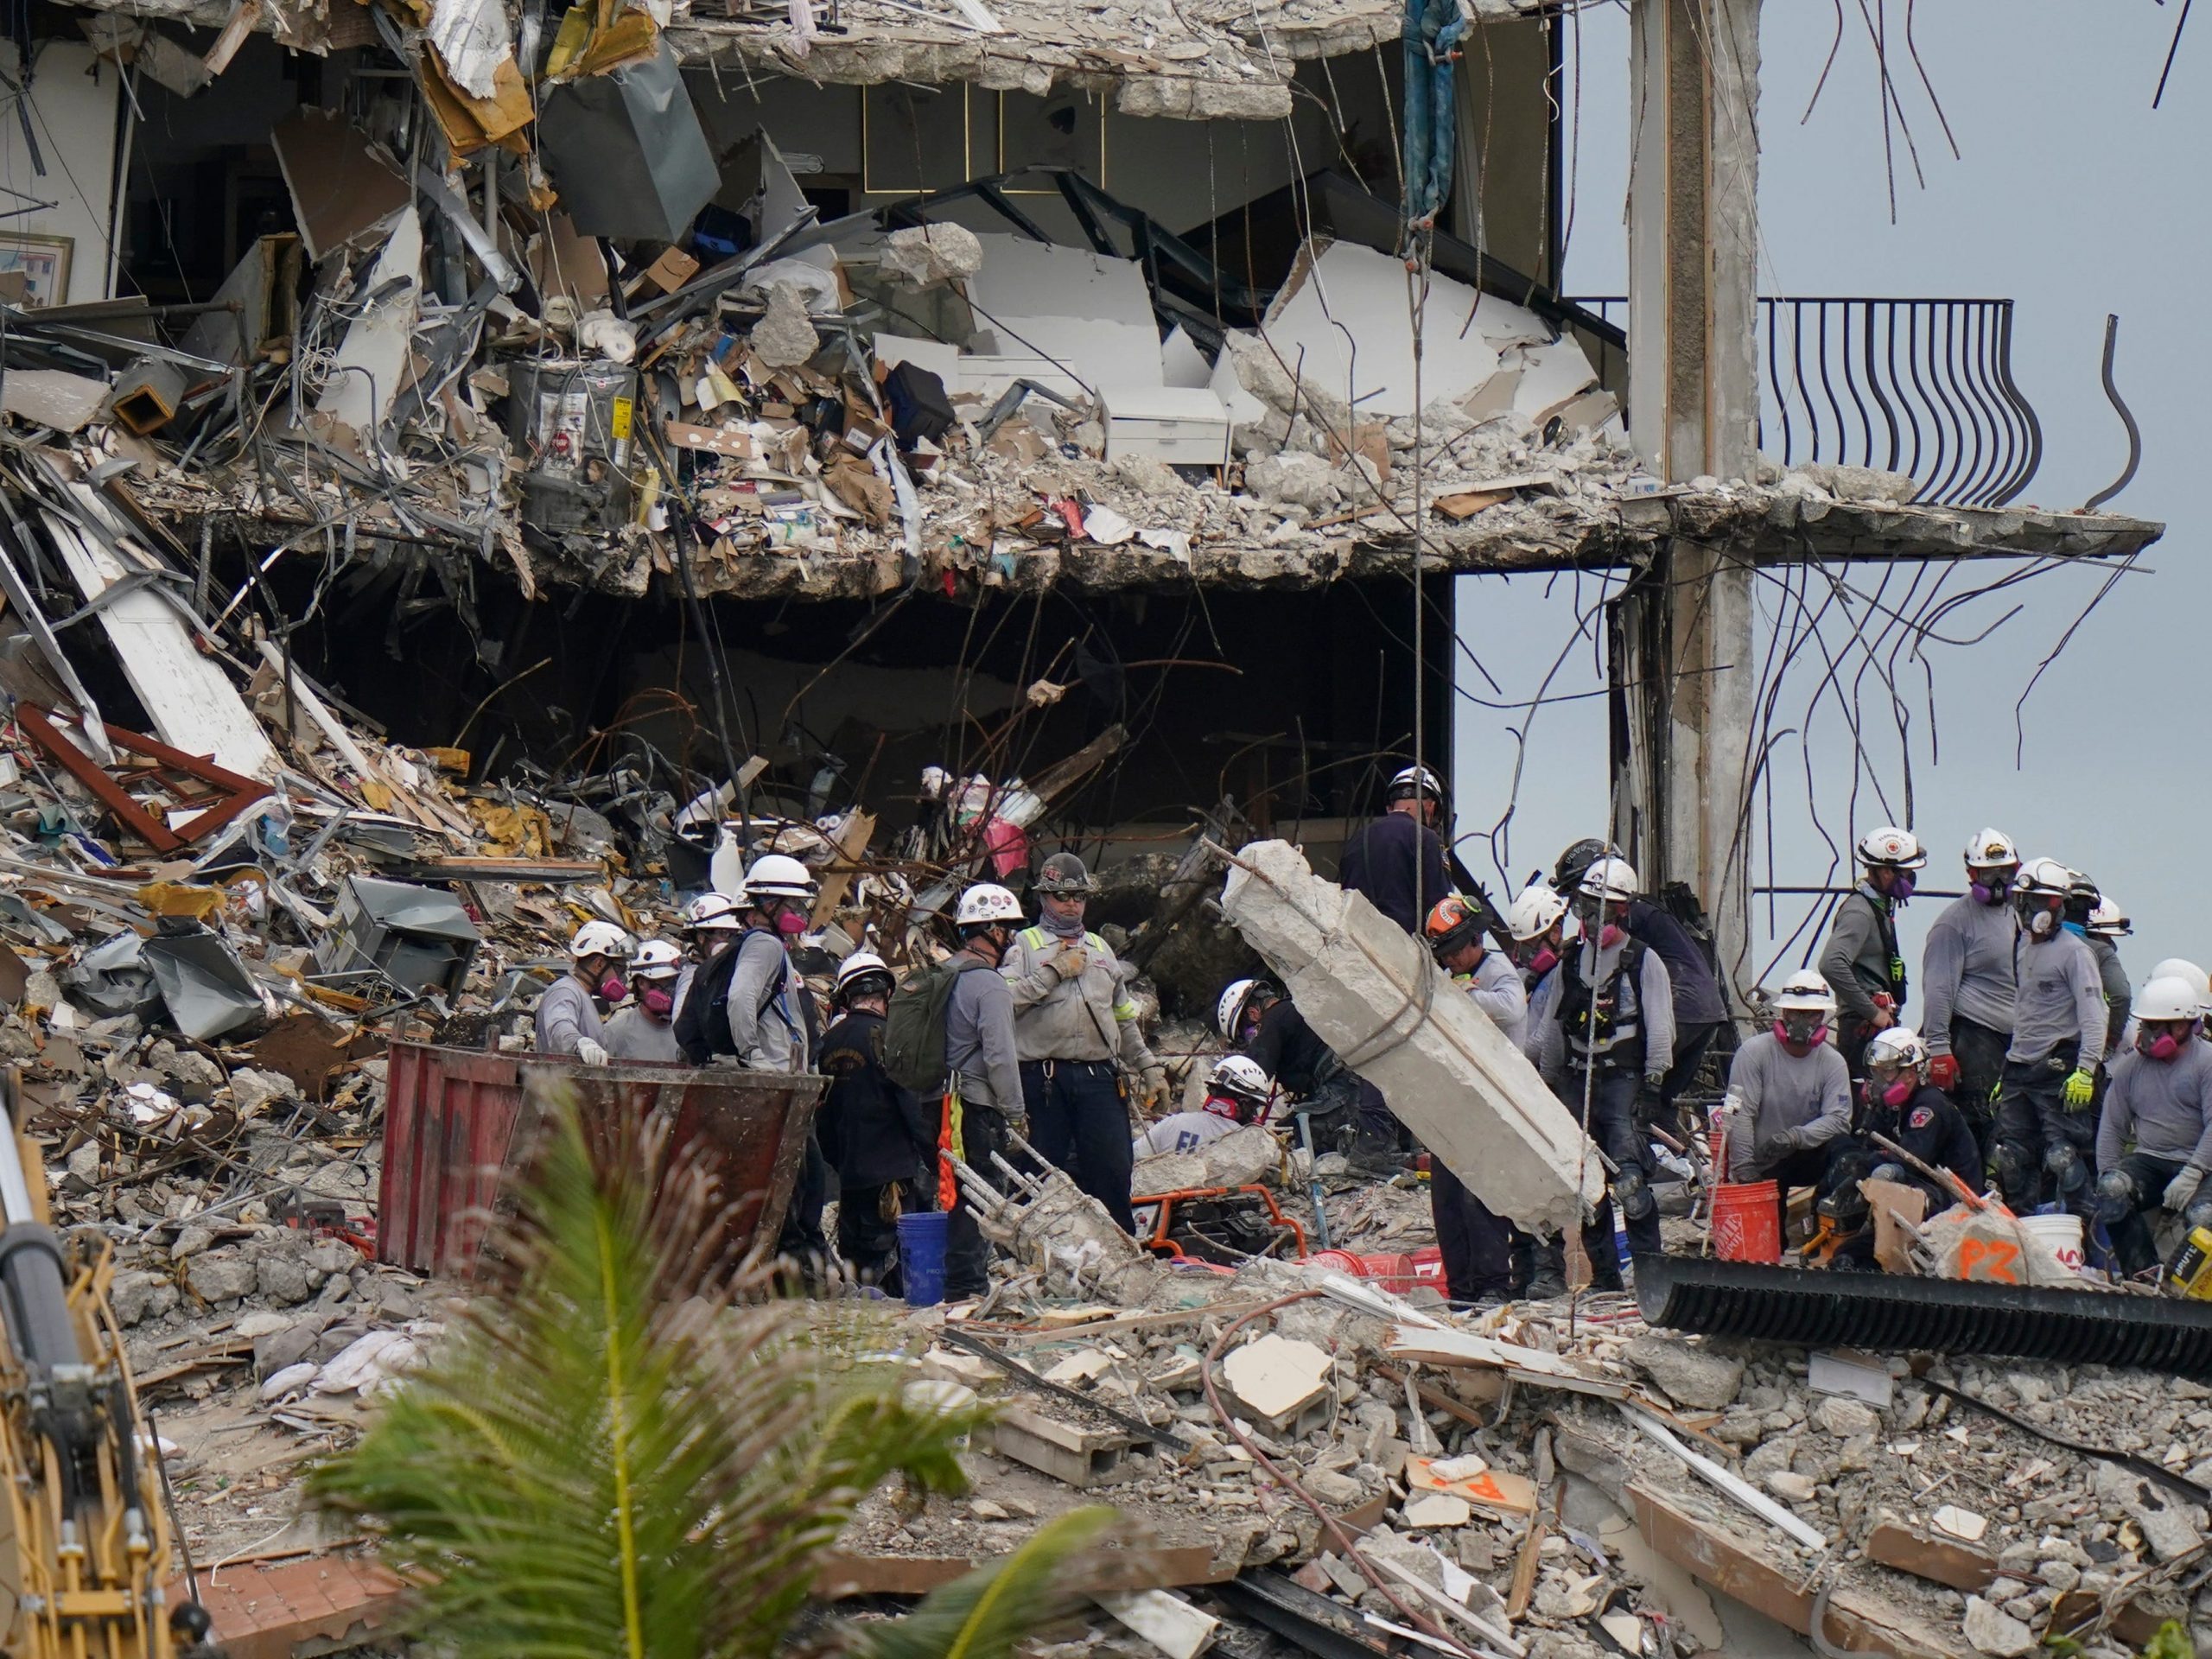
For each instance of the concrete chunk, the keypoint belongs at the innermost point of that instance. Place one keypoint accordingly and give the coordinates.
(1277, 1377)
(1391, 1015)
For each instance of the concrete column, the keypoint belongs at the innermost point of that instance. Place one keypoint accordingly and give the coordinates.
(1693, 401)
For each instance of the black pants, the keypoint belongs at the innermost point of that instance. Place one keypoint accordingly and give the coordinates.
(1477, 1244)
(866, 1240)
(2147, 1178)
(967, 1252)
(1077, 1123)
(802, 1241)
(2040, 1144)
(1690, 1043)
(1821, 1168)
(1980, 1054)
(1852, 1037)
(1612, 1126)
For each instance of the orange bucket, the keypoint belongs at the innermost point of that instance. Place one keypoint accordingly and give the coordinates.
(1747, 1225)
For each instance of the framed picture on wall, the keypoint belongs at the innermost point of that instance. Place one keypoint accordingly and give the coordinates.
(43, 262)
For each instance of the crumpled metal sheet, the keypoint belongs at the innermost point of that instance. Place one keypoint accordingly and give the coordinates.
(204, 986)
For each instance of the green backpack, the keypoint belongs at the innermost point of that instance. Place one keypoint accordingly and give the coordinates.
(913, 1029)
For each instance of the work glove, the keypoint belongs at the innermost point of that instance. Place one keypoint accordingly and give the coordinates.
(2183, 1188)
(2079, 1086)
(590, 1053)
(1069, 964)
(1943, 1071)
(1152, 1088)
(1772, 1151)
(1653, 1083)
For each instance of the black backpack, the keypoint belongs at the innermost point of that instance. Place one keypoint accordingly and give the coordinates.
(913, 1030)
(703, 1024)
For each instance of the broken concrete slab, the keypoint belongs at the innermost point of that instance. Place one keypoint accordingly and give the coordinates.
(1688, 1373)
(1376, 998)
(1277, 1377)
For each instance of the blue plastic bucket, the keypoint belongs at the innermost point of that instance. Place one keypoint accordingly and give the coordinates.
(921, 1257)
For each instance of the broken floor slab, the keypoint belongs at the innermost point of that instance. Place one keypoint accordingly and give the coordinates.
(1377, 999)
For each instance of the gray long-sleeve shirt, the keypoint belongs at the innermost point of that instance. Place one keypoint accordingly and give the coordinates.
(1855, 961)
(633, 1034)
(1089, 1017)
(2120, 995)
(1770, 1090)
(2164, 1106)
(2060, 999)
(979, 1041)
(764, 1021)
(1496, 989)
(566, 1016)
(1965, 971)
(1649, 999)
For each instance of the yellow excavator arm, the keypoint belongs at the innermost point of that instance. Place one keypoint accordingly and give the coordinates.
(85, 1558)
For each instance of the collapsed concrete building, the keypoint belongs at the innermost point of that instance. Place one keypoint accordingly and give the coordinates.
(862, 397)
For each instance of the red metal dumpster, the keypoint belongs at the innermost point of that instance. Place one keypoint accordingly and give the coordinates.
(450, 1141)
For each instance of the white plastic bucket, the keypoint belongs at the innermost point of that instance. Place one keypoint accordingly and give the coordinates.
(2062, 1234)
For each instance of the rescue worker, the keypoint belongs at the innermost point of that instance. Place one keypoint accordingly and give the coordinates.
(1398, 860)
(710, 921)
(568, 1018)
(1901, 1103)
(1261, 1022)
(748, 1003)
(1700, 1008)
(2104, 926)
(1237, 1093)
(1861, 962)
(1609, 1030)
(1966, 970)
(2044, 1126)
(1475, 1243)
(2159, 1103)
(982, 1107)
(1787, 1115)
(640, 1029)
(880, 1137)
(1072, 1017)
(1536, 920)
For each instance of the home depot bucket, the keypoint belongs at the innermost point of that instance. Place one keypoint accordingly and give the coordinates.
(1746, 1226)
(921, 1257)
(2062, 1233)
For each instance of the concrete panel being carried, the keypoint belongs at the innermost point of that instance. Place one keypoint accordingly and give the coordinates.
(1392, 1015)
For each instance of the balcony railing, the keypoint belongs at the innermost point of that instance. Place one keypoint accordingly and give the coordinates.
(1923, 387)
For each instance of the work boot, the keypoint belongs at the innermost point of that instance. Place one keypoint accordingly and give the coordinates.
(1547, 1283)
(1372, 1154)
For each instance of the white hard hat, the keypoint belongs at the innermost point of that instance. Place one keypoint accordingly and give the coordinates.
(2181, 967)
(859, 966)
(777, 875)
(714, 913)
(2170, 997)
(2109, 921)
(1410, 779)
(987, 902)
(1239, 1074)
(657, 959)
(1805, 991)
(1537, 910)
(599, 939)
(1897, 1046)
(2045, 877)
(1891, 848)
(1990, 848)
(1609, 877)
(1229, 1010)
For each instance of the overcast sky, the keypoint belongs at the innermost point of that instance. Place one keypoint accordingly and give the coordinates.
(2076, 199)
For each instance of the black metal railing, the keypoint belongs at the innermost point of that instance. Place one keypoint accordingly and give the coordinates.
(1923, 387)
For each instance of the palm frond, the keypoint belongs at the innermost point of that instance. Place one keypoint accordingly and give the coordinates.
(612, 1454)
(983, 1614)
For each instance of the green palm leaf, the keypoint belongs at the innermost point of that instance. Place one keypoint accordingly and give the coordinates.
(982, 1615)
(611, 1454)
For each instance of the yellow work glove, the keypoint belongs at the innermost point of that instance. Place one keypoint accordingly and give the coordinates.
(2079, 1087)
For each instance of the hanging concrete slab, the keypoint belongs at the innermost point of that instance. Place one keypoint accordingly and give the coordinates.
(1393, 1016)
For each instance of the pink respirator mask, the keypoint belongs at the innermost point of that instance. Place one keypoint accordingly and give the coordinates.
(612, 988)
(1813, 1038)
(1543, 962)
(657, 1001)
